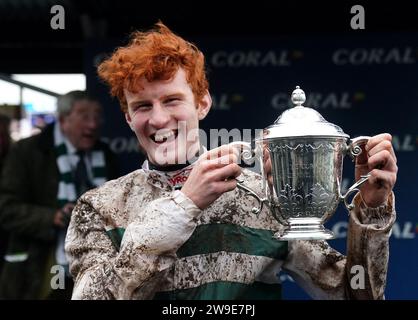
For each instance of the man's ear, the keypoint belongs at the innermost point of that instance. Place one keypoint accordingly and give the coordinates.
(204, 105)
(129, 120)
(61, 120)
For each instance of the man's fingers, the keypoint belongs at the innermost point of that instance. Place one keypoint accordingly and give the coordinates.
(375, 145)
(381, 146)
(230, 171)
(382, 160)
(68, 208)
(227, 185)
(382, 178)
(219, 162)
(221, 151)
(377, 139)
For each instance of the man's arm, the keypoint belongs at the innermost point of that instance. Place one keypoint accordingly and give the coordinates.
(326, 274)
(17, 213)
(147, 250)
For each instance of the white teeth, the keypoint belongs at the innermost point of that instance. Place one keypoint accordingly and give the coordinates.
(163, 136)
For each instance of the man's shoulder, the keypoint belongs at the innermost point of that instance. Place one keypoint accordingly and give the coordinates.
(30, 148)
(29, 142)
(110, 202)
(116, 190)
(43, 139)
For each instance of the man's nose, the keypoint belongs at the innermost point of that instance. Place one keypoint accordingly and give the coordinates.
(93, 123)
(159, 117)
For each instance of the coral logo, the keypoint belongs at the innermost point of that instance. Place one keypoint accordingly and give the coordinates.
(320, 100)
(405, 142)
(254, 58)
(370, 56)
(122, 144)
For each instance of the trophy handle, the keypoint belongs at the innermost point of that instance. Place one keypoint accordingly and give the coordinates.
(354, 149)
(246, 154)
(352, 189)
(250, 192)
(245, 150)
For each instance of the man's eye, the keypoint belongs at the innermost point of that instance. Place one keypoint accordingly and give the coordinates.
(144, 106)
(172, 100)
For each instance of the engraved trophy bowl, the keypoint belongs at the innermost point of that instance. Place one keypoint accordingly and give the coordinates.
(301, 157)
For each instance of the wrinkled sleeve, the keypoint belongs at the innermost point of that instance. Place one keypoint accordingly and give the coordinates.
(324, 273)
(147, 249)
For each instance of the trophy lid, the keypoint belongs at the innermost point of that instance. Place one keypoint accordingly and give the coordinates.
(302, 121)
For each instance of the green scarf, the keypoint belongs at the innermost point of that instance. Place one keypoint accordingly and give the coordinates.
(66, 188)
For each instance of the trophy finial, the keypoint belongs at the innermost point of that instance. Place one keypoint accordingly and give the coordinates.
(298, 97)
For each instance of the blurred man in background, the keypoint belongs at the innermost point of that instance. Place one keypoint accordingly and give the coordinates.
(41, 180)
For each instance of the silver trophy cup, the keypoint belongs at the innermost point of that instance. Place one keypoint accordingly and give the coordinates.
(301, 157)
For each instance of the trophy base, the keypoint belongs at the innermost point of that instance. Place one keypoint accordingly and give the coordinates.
(304, 229)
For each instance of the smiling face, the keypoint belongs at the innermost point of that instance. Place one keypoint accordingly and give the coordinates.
(164, 116)
(81, 126)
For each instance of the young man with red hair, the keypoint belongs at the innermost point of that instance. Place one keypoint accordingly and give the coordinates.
(147, 235)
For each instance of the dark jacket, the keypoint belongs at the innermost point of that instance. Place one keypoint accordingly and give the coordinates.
(28, 202)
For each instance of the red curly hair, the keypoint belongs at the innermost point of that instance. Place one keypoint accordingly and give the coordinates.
(156, 55)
